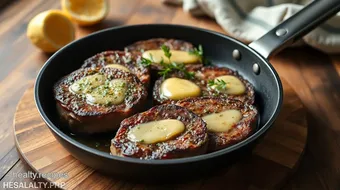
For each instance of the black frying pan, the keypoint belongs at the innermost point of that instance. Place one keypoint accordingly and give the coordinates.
(250, 61)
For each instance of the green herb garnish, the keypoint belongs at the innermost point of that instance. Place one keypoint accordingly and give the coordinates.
(173, 66)
(166, 51)
(146, 62)
(199, 53)
(218, 84)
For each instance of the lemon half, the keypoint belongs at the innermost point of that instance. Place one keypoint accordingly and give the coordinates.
(85, 12)
(50, 30)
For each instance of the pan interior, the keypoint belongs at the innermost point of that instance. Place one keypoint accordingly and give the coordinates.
(217, 48)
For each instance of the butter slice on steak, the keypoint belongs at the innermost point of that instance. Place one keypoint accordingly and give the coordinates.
(162, 132)
(229, 121)
(179, 49)
(93, 100)
(129, 62)
(177, 87)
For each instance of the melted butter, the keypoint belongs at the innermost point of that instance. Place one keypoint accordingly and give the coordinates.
(156, 131)
(234, 85)
(176, 56)
(87, 83)
(111, 93)
(117, 66)
(177, 89)
(223, 121)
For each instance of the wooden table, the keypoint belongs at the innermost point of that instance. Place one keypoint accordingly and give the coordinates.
(315, 76)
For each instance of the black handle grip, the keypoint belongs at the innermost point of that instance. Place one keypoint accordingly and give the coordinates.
(295, 27)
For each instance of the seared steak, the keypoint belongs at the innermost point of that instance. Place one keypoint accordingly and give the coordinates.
(80, 110)
(129, 60)
(192, 141)
(203, 106)
(156, 43)
(202, 77)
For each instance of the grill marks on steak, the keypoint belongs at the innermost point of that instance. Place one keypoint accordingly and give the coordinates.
(126, 59)
(156, 43)
(192, 141)
(82, 117)
(202, 76)
(203, 106)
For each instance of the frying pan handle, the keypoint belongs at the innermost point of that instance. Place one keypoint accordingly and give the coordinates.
(295, 27)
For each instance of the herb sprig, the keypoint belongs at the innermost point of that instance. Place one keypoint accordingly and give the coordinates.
(146, 62)
(173, 66)
(168, 68)
(199, 53)
(218, 84)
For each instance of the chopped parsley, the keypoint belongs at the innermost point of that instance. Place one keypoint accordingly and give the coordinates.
(219, 84)
(146, 62)
(199, 53)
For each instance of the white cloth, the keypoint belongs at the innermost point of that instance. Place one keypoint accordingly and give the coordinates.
(250, 19)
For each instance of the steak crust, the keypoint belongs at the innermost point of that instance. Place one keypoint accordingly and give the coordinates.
(203, 106)
(156, 43)
(82, 117)
(202, 76)
(132, 61)
(192, 141)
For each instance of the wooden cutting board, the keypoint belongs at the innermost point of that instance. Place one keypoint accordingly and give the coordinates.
(273, 160)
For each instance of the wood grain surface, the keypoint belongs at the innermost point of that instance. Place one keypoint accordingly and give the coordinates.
(313, 75)
(273, 160)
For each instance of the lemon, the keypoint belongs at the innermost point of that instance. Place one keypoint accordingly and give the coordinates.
(50, 30)
(85, 12)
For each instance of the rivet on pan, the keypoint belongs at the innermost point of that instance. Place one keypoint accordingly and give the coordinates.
(256, 68)
(281, 32)
(236, 54)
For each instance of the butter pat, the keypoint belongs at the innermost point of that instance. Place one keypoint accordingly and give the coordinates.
(223, 121)
(234, 86)
(156, 131)
(176, 56)
(87, 83)
(117, 66)
(177, 89)
(112, 93)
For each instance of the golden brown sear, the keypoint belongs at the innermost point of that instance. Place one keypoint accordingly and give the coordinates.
(151, 50)
(163, 132)
(156, 43)
(93, 100)
(126, 61)
(207, 81)
(229, 121)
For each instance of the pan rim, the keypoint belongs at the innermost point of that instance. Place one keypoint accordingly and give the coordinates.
(197, 158)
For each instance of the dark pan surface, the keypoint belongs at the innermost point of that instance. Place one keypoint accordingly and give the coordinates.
(217, 48)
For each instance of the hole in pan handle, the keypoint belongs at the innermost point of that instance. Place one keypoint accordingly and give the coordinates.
(295, 27)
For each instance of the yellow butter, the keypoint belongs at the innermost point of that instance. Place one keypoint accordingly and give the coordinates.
(223, 121)
(87, 83)
(234, 86)
(108, 94)
(177, 89)
(156, 131)
(176, 56)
